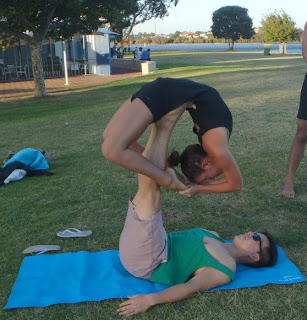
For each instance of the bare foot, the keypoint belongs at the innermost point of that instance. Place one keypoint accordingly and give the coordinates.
(173, 182)
(288, 191)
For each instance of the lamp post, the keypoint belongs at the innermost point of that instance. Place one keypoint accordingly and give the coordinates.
(65, 64)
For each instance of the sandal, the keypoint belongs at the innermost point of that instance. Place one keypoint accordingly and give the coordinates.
(40, 249)
(73, 232)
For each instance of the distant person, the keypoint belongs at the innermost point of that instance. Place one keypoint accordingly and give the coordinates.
(139, 53)
(120, 52)
(300, 139)
(135, 53)
(115, 52)
(146, 55)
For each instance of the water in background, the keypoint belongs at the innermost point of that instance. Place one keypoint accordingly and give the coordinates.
(291, 47)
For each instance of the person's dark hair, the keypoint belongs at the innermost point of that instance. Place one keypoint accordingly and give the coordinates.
(189, 160)
(269, 255)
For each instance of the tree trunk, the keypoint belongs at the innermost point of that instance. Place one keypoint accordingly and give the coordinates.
(37, 68)
(129, 42)
(283, 48)
(127, 36)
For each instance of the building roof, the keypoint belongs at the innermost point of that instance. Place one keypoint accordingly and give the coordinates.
(105, 31)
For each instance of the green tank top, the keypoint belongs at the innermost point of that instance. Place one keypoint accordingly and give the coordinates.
(186, 254)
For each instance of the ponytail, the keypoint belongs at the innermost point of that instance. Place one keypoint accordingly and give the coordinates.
(174, 159)
(190, 160)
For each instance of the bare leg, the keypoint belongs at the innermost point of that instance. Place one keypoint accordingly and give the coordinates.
(147, 206)
(126, 126)
(295, 157)
(148, 198)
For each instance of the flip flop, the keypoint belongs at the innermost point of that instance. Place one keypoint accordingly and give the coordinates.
(74, 233)
(40, 249)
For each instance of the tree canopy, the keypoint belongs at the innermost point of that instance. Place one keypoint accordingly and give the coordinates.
(48, 17)
(232, 23)
(118, 14)
(147, 10)
(278, 27)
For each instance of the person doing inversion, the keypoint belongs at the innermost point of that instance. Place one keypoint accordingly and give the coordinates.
(189, 261)
(201, 163)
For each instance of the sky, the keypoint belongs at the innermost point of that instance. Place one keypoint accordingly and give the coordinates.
(196, 15)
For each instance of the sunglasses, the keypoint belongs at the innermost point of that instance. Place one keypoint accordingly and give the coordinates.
(256, 237)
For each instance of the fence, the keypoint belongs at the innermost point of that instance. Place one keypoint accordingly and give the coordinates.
(15, 61)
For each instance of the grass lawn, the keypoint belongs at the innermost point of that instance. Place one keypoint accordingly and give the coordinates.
(87, 192)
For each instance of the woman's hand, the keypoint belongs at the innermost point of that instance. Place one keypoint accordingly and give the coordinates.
(135, 304)
(191, 191)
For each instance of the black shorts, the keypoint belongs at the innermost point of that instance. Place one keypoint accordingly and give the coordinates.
(165, 94)
(154, 95)
(302, 112)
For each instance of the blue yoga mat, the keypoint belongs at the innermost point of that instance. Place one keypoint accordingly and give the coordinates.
(83, 276)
